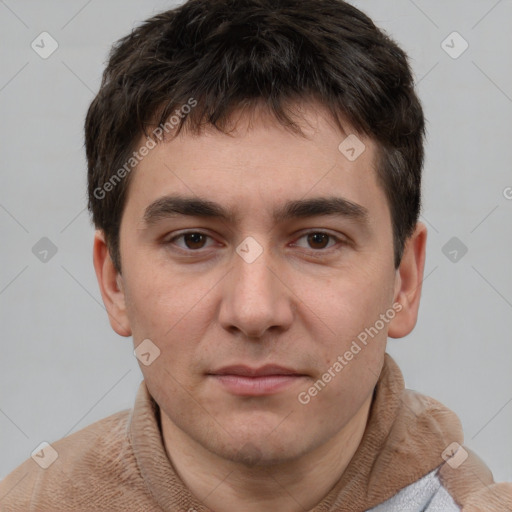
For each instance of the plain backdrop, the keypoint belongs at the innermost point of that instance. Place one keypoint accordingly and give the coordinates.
(61, 365)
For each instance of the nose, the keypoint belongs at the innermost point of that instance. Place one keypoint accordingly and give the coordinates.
(255, 298)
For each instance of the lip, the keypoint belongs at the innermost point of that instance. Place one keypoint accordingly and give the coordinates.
(243, 380)
(246, 371)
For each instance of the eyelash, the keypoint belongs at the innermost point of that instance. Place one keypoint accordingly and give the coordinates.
(340, 242)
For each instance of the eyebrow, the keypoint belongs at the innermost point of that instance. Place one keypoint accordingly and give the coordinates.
(174, 206)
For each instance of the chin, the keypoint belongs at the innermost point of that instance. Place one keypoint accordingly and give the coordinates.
(252, 455)
(261, 448)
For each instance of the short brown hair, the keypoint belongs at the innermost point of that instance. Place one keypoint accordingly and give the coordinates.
(228, 54)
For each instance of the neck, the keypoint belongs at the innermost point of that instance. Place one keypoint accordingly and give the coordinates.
(294, 486)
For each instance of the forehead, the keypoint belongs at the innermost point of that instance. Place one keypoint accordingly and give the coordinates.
(260, 161)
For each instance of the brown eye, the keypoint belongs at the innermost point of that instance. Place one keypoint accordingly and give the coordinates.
(190, 241)
(194, 240)
(318, 240)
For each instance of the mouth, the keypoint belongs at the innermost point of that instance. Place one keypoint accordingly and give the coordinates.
(246, 381)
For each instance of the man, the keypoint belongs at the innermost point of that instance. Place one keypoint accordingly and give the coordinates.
(254, 178)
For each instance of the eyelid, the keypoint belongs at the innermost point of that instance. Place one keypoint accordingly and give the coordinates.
(339, 239)
(169, 241)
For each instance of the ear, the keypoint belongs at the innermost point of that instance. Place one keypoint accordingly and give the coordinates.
(409, 278)
(111, 286)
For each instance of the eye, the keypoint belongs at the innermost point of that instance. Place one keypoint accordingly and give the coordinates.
(318, 240)
(191, 240)
(194, 241)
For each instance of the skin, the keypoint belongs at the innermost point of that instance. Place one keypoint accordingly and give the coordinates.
(300, 304)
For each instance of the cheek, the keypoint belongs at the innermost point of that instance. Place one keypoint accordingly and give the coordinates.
(161, 304)
(354, 351)
(335, 400)
(341, 309)
(175, 314)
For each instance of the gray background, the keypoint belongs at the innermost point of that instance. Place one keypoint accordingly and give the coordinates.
(62, 367)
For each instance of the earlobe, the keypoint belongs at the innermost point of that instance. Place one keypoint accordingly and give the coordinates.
(409, 278)
(111, 286)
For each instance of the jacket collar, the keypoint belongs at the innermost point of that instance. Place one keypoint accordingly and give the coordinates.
(405, 436)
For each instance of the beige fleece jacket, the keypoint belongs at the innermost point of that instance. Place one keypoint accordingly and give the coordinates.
(120, 463)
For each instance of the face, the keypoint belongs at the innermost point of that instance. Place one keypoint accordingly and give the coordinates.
(253, 297)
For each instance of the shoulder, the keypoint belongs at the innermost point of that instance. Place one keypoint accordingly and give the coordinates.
(462, 474)
(91, 464)
(470, 483)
